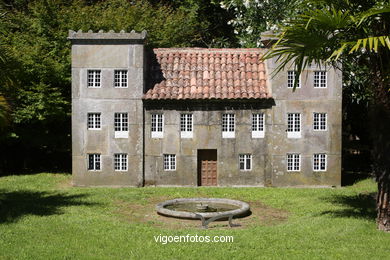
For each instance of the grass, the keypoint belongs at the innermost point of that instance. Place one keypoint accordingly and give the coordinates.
(43, 217)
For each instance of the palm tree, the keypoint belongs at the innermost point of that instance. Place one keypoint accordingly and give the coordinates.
(340, 31)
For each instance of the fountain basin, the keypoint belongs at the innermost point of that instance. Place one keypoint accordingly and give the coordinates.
(191, 208)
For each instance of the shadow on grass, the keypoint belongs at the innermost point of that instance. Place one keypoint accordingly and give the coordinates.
(354, 206)
(16, 204)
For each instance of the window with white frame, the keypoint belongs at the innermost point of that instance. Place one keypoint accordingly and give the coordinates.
(293, 162)
(94, 163)
(94, 121)
(186, 125)
(293, 125)
(120, 162)
(258, 125)
(245, 162)
(320, 79)
(94, 78)
(157, 126)
(169, 162)
(228, 125)
(121, 125)
(319, 121)
(319, 162)
(120, 78)
(291, 74)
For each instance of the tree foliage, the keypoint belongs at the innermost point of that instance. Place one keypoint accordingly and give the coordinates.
(252, 17)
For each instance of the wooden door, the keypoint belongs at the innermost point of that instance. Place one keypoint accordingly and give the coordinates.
(207, 167)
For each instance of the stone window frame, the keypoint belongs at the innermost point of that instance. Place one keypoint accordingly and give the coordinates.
(94, 162)
(121, 125)
(169, 162)
(293, 162)
(94, 121)
(320, 121)
(294, 125)
(121, 78)
(157, 125)
(320, 79)
(94, 78)
(120, 162)
(186, 125)
(320, 162)
(291, 79)
(245, 162)
(228, 125)
(258, 125)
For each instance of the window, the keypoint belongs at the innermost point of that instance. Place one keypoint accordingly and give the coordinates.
(94, 162)
(245, 162)
(94, 121)
(228, 126)
(169, 162)
(186, 126)
(94, 77)
(319, 121)
(121, 125)
(258, 125)
(294, 125)
(157, 125)
(320, 79)
(319, 162)
(120, 162)
(291, 79)
(120, 78)
(293, 162)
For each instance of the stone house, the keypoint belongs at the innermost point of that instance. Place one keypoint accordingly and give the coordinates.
(199, 117)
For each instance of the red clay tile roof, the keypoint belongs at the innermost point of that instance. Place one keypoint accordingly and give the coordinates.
(196, 73)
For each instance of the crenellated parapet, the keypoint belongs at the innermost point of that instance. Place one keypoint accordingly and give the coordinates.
(111, 35)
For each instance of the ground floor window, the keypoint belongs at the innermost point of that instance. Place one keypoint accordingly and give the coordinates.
(94, 162)
(245, 162)
(120, 162)
(169, 162)
(319, 162)
(293, 162)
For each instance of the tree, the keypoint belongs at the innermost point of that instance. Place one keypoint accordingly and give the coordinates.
(342, 31)
(252, 17)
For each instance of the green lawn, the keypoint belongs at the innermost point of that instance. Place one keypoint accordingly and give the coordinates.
(43, 217)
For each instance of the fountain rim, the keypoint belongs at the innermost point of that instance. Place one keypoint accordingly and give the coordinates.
(160, 208)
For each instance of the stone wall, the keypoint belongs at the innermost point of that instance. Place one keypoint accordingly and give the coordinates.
(107, 52)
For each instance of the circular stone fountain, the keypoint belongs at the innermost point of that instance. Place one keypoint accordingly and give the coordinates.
(202, 208)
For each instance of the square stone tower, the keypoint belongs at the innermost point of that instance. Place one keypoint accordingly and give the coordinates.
(107, 112)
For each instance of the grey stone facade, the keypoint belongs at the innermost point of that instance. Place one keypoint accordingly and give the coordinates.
(108, 52)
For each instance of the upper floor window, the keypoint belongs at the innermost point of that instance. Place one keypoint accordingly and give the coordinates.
(293, 162)
(291, 79)
(120, 78)
(157, 125)
(94, 78)
(245, 162)
(258, 125)
(228, 125)
(120, 162)
(319, 121)
(320, 79)
(94, 122)
(94, 162)
(169, 162)
(186, 125)
(319, 162)
(121, 125)
(294, 125)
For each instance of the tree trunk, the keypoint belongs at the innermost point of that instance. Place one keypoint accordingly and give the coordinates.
(381, 153)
